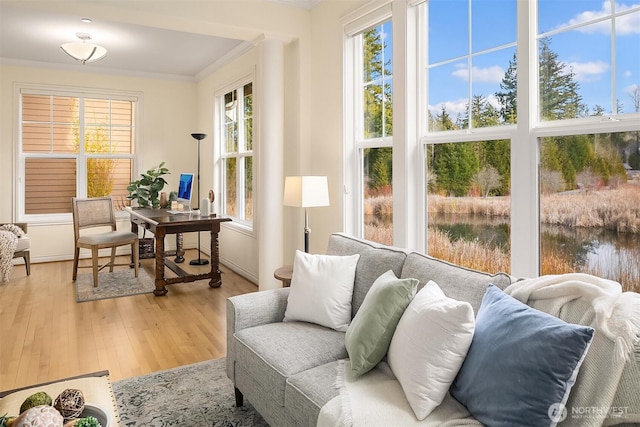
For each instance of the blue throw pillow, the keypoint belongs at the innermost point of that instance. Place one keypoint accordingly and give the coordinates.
(521, 364)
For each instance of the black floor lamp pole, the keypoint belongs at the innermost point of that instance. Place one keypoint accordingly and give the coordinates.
(199, 137)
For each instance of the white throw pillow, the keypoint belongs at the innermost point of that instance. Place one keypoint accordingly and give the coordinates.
(429, 346)
(322, 289)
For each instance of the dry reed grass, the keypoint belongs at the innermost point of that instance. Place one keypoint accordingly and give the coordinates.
(617, 209)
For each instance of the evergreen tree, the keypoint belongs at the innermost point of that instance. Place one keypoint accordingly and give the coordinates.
(507, 98)
(559, 96)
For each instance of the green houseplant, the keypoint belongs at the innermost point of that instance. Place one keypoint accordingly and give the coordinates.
(146, 190)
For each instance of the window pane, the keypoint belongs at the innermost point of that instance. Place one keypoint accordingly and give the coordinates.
(628, 63)
(468, 203)
(109, 177)
(448, 96)
(230, 186)
(471, 82)
(577, 65)
(231, 122)
(372, 111)
(487, 15)
(553, 14)
(378, 195)
(49, 185)
(248, 188)
(590, 206)
(448, 30)
(248, 116)
(377, 80)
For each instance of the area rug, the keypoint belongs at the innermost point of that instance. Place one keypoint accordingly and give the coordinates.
(191, 395)
(120, 283)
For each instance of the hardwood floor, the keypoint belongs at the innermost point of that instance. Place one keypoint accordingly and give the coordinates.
(45, 335)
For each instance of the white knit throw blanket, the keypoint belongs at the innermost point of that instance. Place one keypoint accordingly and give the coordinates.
(376, 399)
(601, 394)
(8, 244)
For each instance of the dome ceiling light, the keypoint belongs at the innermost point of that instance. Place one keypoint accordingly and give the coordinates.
(84, 52)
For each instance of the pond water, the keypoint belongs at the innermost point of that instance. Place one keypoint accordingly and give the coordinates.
(593, 250)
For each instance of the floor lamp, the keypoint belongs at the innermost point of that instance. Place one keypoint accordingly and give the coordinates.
(199, 137)
(306, 192)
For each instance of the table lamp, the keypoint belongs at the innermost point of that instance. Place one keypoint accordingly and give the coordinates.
(306, 192)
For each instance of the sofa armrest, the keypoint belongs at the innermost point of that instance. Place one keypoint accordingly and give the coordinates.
(252, 309)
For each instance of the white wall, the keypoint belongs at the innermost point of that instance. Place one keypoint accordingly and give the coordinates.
(168, 119)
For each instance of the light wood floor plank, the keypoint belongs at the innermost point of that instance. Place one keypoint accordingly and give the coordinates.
(46, 335)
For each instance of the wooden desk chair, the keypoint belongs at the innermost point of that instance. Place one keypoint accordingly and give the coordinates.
(24, 244)
(99, 212)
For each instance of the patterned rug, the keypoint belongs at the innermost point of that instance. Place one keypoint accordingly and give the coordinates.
(191, 395)
(120, 283)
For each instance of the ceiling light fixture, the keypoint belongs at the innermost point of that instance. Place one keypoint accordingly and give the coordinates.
(84, 52)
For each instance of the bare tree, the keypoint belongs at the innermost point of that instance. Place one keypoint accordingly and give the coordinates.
(551, 181)
(488, 178)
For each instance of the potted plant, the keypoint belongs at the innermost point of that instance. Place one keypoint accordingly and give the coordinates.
(146, 190)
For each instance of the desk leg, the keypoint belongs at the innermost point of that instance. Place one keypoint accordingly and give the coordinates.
(161, 283)
(134, 229)
(216, 278)
(179, 251)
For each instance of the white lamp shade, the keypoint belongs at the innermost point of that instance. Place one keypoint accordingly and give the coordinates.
(84, 52)
(306, 191)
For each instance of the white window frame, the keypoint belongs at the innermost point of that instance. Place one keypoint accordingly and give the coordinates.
(81, 157)
(354, 26)
(241, 224)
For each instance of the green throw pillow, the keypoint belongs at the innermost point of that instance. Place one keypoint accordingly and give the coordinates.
(370, 332)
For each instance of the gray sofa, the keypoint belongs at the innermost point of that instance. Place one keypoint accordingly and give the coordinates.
(287, 370)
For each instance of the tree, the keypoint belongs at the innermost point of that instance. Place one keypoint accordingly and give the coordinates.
(488, 179)
(507, 99)
(454, 165)
(559, 91)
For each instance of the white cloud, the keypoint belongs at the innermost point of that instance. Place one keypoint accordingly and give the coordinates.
(588, 71)
(626, 24)
(454, 108)
(628, 73)
(493, 74)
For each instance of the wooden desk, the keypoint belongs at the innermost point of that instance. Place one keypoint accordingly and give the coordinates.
(161, 223)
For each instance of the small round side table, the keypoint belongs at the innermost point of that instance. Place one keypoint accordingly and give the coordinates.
(284, 274)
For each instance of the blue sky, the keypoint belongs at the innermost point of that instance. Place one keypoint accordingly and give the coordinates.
(586, 50)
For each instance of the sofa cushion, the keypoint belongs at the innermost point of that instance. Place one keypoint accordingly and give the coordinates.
(463, 284)
(369, 334)
(375, 259)
(273, 352)
(307, 392)
(322, 290)
(521, 364)
(429, 346)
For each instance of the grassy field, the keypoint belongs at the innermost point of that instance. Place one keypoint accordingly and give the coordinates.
(616, 209)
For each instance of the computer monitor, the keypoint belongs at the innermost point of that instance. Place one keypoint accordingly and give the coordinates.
(185, 188)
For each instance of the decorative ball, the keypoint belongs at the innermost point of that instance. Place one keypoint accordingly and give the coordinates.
(70, 403)
(41, 416)
(36, 399)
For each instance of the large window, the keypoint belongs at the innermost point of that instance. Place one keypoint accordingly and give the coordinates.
(470, 83)
(528, 136)
(237, 153)
(73, 145)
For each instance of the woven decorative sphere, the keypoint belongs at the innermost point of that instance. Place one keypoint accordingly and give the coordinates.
(70, 403)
